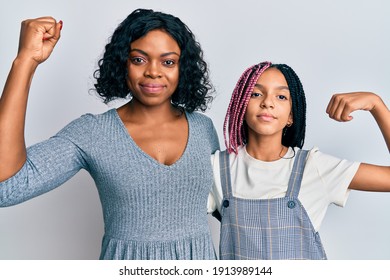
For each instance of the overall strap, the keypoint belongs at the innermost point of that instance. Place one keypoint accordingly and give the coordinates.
(294, 183)
(224, 170)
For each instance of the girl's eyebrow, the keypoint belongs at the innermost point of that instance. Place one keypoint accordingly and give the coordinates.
(162, 55)
(259, 86)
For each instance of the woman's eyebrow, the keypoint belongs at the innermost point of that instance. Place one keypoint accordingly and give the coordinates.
(140, 51)
(146, 54)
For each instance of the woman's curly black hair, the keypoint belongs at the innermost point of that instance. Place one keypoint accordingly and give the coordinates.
(194, 89)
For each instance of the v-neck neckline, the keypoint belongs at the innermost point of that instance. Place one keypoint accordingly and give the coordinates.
(146, 155)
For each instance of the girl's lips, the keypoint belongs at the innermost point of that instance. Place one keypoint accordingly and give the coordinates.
(266, 117)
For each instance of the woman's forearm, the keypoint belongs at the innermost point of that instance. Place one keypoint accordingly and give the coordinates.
(38, 38)
(13, 104)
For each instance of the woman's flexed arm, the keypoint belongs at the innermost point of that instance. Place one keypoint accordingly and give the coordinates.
(38, 38)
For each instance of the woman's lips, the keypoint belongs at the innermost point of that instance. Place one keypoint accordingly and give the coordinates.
(152, 88)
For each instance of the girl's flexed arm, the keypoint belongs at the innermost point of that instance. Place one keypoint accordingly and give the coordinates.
(342, 105)
(38, 38)
(368, 177)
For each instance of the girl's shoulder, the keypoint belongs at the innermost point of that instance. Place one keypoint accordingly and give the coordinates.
(325, 164)
(313, 156)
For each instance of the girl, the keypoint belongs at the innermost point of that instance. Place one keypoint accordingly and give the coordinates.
(272, 195)
(148, 158)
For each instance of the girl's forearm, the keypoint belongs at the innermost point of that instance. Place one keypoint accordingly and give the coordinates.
(382, 116)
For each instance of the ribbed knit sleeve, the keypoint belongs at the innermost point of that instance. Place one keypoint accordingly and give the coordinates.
(49, 163)
(213, 136)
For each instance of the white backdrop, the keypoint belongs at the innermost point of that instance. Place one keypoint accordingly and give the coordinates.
(334, 46)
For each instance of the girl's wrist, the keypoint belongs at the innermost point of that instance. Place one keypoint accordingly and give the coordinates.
(379, 106)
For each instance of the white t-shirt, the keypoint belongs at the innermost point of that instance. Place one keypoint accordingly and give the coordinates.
(325, 180)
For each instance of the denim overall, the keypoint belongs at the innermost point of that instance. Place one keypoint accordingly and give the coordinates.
(274, 229)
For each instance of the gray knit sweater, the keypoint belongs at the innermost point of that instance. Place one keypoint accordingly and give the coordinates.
(151, 210)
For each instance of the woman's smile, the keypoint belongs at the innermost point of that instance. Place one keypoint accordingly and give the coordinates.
(152, 88)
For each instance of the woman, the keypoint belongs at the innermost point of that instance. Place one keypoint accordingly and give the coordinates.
(148, 157)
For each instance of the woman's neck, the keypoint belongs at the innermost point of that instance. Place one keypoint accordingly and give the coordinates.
(137, 113)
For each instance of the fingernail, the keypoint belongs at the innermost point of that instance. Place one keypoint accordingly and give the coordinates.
(61, 24)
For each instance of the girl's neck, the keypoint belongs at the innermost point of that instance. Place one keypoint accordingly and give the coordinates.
(266, 149)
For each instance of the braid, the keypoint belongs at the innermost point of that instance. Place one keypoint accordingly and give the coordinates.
(237, 107)
(234, 128)
(294, 136)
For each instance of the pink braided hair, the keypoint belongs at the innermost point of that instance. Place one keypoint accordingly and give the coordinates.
(237, 107)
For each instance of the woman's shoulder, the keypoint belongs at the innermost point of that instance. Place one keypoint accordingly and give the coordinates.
(95, 118)
(198, 116)
(200, 120)
(88, 122)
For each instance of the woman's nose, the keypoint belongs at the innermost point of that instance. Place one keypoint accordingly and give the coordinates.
(153, 71)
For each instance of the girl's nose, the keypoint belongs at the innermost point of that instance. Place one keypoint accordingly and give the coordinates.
(266, 102)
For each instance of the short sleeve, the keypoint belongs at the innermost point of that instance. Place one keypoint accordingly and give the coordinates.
(336, 174)
(204, 128)
(214, 141)
(216, 194)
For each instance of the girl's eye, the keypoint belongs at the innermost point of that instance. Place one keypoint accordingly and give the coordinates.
(282, 97)
(256, 94)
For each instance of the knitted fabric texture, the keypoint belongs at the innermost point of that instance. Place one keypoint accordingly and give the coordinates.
(150, 210)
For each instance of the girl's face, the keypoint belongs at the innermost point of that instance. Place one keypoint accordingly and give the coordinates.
(153, 68)
(269, 108)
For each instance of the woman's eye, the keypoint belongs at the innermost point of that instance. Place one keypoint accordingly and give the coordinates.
(137, 60)
(169, 63)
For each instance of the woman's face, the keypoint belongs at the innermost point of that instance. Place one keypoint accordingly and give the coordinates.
(153, 68)
(269, 108)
